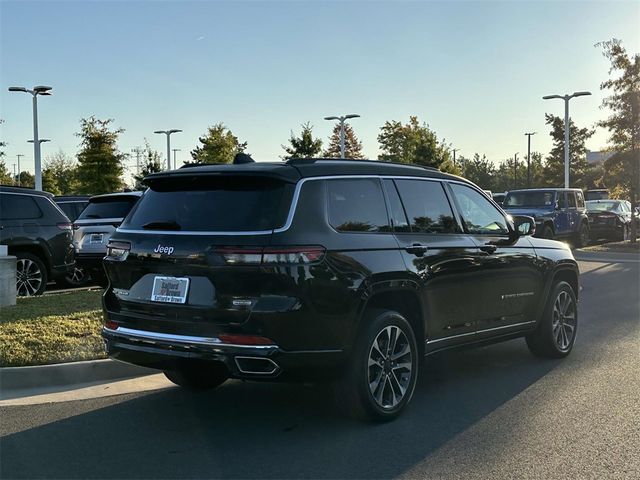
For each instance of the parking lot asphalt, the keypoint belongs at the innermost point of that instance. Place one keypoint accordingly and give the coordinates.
(493, 412)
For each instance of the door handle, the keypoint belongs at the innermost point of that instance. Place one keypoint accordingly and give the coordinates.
(417, 249)
(489, 248)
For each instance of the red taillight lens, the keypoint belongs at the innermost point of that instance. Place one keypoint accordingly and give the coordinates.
(271, 255)
(237, 339)
(111, 325)
(118, 250)
(64, 225)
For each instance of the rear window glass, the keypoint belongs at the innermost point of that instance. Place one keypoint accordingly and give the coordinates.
(529, 199)
(213, 204)
(357, 205)
(111, 208)
(18, 207)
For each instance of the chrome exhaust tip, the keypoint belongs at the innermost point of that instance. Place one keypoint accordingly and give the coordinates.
(256, 365)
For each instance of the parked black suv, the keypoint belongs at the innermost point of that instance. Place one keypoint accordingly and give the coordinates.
(37, 232)
(351, 270)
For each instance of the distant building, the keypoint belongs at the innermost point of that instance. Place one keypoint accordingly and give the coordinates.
(598, 157)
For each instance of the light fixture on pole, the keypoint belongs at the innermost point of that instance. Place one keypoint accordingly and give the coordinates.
(35, 91)
(566, 99)
(19, 155)
(174, 150)
(168, 134)
(529, 158)
(342, 119)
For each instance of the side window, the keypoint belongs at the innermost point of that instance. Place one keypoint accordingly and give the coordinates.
(397, 213)
(18, 207)
(580, 199)
(427, 206)
(478, 214)
(68, 209)
(571, 197)
(561, 202)
(357, 205)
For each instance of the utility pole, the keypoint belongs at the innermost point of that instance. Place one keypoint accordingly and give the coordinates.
(515, 171)
(19, 155)
(137, 151)
(14, 174)
(529, 158)
(174, 150)
(454, 155)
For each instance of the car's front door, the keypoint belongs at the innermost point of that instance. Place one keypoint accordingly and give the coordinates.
(562, 221)
(509, 280)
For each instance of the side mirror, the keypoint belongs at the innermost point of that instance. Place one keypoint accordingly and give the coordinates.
(524, 225)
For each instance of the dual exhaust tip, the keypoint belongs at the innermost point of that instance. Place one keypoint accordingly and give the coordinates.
(256, 365)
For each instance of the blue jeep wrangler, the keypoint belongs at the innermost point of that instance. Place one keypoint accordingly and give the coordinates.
(559, 213)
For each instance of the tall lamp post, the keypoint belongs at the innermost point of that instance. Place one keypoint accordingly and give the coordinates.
(566, 99)
(515, 171)
(19, 155)
(174, 150)
(342, 119)
(529, 158)
(40, 141)
(168, 134)
(35, 91)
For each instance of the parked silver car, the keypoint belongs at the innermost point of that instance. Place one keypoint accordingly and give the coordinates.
(92, 230)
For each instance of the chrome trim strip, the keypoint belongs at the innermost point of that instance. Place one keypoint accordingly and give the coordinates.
(261, 359)
(292, 209)
(183, 339)
(481, 331)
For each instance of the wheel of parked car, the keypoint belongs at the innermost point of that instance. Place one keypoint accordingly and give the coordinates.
(31, 275)
(556, 333)
(381, 375)
(78, 278)
(547, 232)
(582, 237)
(198, 375)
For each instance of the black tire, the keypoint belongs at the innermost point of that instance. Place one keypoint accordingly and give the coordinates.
(80, 277)
(547, 232)
(582, 237)
(31, 275)
(380, 389)
(556, 333)
(198, 376)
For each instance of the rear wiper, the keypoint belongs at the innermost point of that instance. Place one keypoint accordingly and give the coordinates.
(162, 226)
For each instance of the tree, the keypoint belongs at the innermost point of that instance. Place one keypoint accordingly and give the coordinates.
(27, 180)
(479, 170)
(100, 164)
(60, 174)
(622, 168)
(2, 144)
(219, 145)
(352, 146)
(304, 146)
(5, 174)
(151, 164)
(413, 143)
(554, 166)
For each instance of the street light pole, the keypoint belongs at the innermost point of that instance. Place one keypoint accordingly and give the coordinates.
(174, 150)
(168, 134)
(515, 171)
(529, 158)
(39, 142)
(342, 119)
(35, 91)
(454, 155)
(566, 99)
(19, 155)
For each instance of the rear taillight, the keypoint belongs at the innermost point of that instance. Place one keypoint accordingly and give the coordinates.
(271, 255)
(118, 250)
(64, 225)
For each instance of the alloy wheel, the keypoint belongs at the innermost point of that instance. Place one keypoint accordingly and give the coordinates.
(28, 277)
(390, 367)
(78, 277)
(564, 320)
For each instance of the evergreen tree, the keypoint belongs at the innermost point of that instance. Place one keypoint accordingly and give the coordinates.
(59, 175)
(304, 146)
(554, 166)
(352, 146)
(5, 174)
(479, 170)
(100, 164)
(219, 145)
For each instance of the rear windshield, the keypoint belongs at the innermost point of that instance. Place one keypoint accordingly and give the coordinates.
(602, 206)
(116, 207)
(213, 204)
(529, 199)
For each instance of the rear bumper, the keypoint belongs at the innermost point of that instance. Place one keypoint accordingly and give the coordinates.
(257, 362)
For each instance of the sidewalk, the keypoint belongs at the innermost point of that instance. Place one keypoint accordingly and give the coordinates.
(606, 257)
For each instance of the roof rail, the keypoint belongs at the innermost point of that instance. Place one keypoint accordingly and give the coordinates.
(298, 161)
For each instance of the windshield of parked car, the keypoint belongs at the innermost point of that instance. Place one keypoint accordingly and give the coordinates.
(530, 199)
(112, 208)
(599, 206)
(229, 204)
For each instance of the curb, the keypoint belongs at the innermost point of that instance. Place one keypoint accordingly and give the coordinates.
(67, 374)
(613, 257)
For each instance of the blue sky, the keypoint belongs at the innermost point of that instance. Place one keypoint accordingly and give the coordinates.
(474, 71)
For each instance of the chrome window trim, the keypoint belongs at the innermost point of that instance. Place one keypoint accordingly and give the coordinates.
(292, 209)
(181, 339)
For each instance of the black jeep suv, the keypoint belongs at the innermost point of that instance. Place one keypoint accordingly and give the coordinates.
(309, 269)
